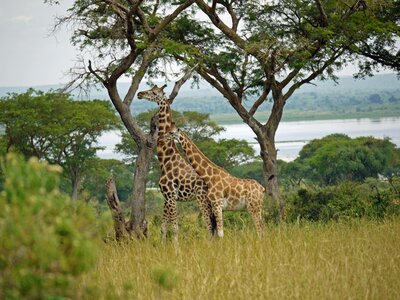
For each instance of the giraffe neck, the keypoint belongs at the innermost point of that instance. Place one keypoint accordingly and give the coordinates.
(197, 159)
(164, 116)
(165, 150)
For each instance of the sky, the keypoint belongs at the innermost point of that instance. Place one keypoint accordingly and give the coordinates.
(30, 55)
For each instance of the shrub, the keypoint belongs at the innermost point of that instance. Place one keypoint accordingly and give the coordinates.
(46, 240)
(373, 199)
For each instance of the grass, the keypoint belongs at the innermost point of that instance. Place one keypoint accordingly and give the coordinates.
(353, 260)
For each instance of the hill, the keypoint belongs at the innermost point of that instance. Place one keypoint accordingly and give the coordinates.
(373, 96)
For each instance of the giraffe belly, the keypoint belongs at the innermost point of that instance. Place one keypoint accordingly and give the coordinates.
(234, 204)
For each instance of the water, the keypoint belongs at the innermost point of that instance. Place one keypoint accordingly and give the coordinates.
(292, 136)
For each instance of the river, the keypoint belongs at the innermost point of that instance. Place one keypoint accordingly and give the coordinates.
(292, 136)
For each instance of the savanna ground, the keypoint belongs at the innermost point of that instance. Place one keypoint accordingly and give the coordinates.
(357, 259)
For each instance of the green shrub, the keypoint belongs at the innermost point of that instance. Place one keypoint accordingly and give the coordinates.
(373, 199)
(46, 240)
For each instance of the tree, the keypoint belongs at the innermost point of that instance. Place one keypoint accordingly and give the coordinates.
(124, 39)
(263, 52)
(337, 158)
(53, 127)
(97, 172)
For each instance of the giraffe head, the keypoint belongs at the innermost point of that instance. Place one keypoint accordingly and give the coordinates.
(155, 94)
(173, 133)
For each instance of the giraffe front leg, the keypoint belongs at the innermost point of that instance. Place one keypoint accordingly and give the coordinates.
(206, 211)
(217, 212)
(164, 223)
(174, 220)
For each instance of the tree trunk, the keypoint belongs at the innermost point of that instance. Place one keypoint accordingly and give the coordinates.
(137, 222)
(270, 173)
(75, 187)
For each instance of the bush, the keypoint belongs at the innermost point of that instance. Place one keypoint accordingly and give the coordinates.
(46, 241)
(373, 199)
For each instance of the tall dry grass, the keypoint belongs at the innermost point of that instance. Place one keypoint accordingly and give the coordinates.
(354, 260)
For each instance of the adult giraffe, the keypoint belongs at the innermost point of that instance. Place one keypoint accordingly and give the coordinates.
(178, 181)
(225, 191)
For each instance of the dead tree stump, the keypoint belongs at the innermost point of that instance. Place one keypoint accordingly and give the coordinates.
(121, 230)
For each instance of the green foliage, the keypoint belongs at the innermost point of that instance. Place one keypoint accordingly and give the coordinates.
(54, 127)
(337, 158)
(46, 242)
(371, 199)
(251, 169)
(97, 171)
(227, 153)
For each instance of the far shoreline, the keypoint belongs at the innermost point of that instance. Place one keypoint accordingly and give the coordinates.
(292, 116)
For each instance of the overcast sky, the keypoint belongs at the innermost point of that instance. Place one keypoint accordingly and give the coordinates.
(29, 54)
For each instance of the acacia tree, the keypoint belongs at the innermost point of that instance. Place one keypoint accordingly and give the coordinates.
(53, 127)
(124, 38)
(264, 51)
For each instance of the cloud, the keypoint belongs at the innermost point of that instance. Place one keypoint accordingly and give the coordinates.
(21, 19)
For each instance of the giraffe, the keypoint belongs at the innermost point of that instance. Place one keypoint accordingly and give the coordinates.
(178, 181)
(225, 191)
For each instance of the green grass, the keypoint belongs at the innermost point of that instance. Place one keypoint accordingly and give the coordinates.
(353, 260)
(298, 115)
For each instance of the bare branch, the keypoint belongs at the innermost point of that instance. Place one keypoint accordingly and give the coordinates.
(358, 5)
(99, 78)
(314, 75)
(143, 19)
(118, 8)
(181, 82)
(137, 78)
(229, 32)
(155, 8)
(168, 19)
(259, 101)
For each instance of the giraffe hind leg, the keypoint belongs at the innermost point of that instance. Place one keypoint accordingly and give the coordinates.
(255, 211)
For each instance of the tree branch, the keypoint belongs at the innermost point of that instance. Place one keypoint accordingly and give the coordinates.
(229, 32)
(324, 17)
(99, 78)
(147, 58)
(168, 19)
(181, 82)
(313, 75)
(354, 8)
(259, 101)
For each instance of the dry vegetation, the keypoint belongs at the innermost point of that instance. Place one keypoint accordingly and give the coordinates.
(352, 260)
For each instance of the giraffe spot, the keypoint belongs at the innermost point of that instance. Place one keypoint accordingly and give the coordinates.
(209, 171)
(169, 151)
(204, 164)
